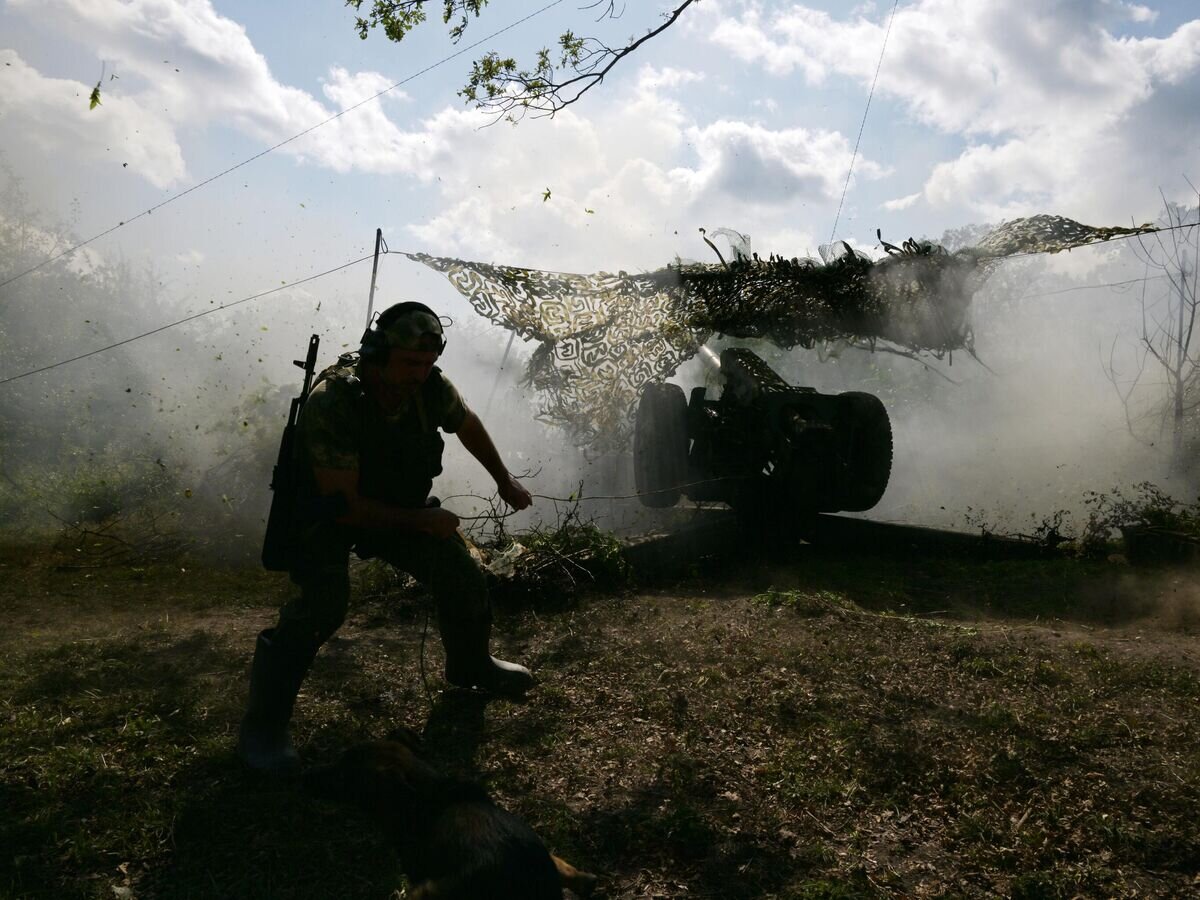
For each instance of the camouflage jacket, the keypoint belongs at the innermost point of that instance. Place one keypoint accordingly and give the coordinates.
(396, 456)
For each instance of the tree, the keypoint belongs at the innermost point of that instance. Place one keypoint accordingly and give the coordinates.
(1167, 339)
(497, 85)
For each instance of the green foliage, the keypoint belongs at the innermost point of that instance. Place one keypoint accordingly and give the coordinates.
(496, 83)
(487, 75)
(1149, 507)
(399, 17)
(579, 546)
(806, 603)
(94, 100)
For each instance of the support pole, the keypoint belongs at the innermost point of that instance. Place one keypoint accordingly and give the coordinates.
(374, 272)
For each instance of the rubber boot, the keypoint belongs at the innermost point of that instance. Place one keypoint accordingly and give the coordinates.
(275, 677)
(469, 662)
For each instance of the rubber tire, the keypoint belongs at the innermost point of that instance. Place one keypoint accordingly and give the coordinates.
(865, 443)
(660, 445)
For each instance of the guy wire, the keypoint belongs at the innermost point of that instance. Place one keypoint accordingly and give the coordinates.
(191, 318)
(863, 125)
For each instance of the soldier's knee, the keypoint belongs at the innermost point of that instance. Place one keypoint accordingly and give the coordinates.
(336, 601)
(325, 601)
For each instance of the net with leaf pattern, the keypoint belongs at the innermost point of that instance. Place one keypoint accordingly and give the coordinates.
(603, 336)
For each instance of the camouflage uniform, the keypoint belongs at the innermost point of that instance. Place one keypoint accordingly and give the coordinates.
(396, 455)
(397, 458)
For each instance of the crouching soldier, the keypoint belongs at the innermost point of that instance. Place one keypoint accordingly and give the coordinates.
(367, 448)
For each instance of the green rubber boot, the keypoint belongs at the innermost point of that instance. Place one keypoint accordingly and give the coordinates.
(275, 678)
(469, 664)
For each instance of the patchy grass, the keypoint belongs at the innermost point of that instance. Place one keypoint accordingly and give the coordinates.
(832, 727)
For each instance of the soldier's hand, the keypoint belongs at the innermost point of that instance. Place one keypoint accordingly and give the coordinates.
(441, 523)
(512, 493)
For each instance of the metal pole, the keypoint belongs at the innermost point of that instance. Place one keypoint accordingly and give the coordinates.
(374, 272)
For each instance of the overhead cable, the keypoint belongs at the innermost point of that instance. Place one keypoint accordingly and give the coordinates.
(191, 318)
(858, 140)
(259, 155)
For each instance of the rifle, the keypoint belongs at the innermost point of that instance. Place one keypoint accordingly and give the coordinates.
(277, 542)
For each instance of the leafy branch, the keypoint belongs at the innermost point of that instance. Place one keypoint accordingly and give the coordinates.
(497, 84)
(399, 17)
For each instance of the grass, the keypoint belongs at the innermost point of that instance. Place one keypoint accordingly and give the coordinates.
(821, 727)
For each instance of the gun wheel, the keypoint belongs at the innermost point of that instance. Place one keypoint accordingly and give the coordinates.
(865, 436)
(660, 445)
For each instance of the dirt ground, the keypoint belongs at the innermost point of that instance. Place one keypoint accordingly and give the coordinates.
(808, 726)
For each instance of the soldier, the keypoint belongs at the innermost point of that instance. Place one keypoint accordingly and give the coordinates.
(367, 450)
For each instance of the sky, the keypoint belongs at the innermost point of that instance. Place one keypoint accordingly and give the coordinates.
(743, 115)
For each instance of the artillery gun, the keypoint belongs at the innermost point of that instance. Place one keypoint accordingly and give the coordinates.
(763, 446)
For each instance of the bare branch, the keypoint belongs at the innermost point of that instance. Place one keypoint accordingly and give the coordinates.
(879, 348)
(497, 86)
(1110, 372)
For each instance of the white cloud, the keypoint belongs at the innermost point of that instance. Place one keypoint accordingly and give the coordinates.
(54, 115)
(649, 171)
(756, 165)
(1045, 93)
(1139, 13)
(182, 66)
(902, 202)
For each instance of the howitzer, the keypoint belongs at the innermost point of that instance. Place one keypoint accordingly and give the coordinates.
(278, 540)
(764, 446)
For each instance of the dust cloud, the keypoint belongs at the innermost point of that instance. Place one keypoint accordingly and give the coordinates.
(186, 422)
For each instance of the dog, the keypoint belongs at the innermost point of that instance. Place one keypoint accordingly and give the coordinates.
(454, 842)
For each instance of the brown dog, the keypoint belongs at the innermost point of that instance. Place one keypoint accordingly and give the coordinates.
(454, 842)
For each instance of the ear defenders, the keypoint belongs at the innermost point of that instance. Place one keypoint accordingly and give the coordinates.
(377, 341)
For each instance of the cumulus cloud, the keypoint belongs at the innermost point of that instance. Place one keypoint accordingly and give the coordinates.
(901, 202)
(646, 169)
(54, 115)
(756, 165)
(184, 66)
(1040, 92)
(629, 175)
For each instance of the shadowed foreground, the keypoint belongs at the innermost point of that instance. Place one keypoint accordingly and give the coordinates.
(835, 727)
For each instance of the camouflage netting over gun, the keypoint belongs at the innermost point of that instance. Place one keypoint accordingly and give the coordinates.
(604, 336)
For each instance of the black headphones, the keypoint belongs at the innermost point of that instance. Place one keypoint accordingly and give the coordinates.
(375, 348)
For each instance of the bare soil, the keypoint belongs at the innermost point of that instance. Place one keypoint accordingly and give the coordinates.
(820, 726)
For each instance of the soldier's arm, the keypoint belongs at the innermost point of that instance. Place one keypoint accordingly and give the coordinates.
(366, 512)
(479, 444)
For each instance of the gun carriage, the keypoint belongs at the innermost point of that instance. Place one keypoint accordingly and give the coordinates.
(762, 445)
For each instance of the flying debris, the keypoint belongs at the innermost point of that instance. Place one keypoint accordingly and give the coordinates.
(604, 336)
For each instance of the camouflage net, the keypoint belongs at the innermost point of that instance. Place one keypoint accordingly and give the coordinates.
(604, 336)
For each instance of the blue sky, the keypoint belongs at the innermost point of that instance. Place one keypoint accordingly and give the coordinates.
(743, 115)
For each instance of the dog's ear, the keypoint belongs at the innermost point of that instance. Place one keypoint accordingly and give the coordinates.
(580, 883)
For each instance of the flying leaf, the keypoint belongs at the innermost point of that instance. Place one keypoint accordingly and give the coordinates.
(95, 96)
(590, 212)
(545, 195)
